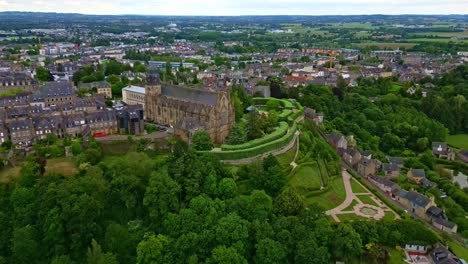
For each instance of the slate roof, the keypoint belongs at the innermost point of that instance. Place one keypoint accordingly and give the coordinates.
(444, 222)
(418, 173)
(417, 198)
(390, 167)
(383, 181)
(396, 160)
(441, 255)
(190, 94)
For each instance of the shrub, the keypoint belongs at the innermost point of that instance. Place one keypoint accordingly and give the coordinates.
(278, 133)
(254, 151)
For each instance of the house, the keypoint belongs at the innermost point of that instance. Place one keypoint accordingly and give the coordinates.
(366, 167)
(463, 155)
(442, 151)
(415, 202)
(396, 160)
(441, 255)
(445, 225)
(428, 184)
(417, 175)
(414, 248)
(102, 87)
(21, 132)
(338, 141)
(391, 170)
(130, 120)
(351, 156)
(366, 154)
(312, 115)
(385, 185)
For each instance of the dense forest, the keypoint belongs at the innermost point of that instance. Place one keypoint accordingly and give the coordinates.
(176, 208)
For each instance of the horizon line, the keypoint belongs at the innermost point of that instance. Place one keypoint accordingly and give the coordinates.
(376, 14)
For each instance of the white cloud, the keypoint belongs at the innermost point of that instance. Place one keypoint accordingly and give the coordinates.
(240, 7)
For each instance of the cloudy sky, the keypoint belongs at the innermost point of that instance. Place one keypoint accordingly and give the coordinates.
(239, 7)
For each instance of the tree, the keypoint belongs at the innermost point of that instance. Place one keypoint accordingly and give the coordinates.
(237, 136)
(269, 251)
(289, 202)
(96, 256)
(161, 196)
(254, 126)
(272, 178)
(226, 255)
(201, 140)
(275, 86)
(346, 242)
(24, 245)
(154, 249)
(43, 75)
(227, 188)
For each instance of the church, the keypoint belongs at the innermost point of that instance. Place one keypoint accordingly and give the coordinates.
(188, 110)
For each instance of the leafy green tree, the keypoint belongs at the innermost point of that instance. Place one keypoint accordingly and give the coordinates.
(227, 188)
(269, 251)
(24, 245)
(237, 135)
(289, 202)
(346, 243)
(226, 255)
(254, 126)
(201, 140)
(161, 196)
(96, 256)
(154, 249)
(43, 75)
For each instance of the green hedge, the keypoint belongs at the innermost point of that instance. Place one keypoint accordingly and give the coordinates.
(285, 114)
(377, 193)
(278, 133)
(263, 101)
(252, 152)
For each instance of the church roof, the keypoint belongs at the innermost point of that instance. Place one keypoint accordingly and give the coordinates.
(189, 94)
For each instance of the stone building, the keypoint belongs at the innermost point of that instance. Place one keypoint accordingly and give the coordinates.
(134, 95)
(190, 109)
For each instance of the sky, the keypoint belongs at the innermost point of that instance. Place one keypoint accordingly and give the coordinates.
(239, 7)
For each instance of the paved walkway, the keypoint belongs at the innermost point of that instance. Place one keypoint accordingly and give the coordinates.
(360, 208)
(293, 163)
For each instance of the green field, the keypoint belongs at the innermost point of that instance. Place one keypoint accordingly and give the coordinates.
(332, 197)
(458, 141)
(64, 166)
(395, 256)
(367, 200)
(459, 250)
(306, 178)
(357, 188)
(350, 207)
(438, 40)
(388, 45)
(353, 25)
(395, 88)
(286, 158)
(442, 34)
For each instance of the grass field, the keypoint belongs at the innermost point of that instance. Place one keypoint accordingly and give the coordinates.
(458, 141)
(389, 45)
(357, 188)
(306, 178)
(395, 256)
(353, 25)
(438, 40)
(442, 34)
(286, 158)
(367, 200)
(64, 166)
(395, 88)
(334, 196)
(459, 250)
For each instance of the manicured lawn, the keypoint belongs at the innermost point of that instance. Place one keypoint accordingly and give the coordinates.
(306, 178)
(286, 158)
(458, 141)
(334, 196)
(357, 188)
(64, 166)
(389, 216)
(350, 207)
(367, 200)
(350, 217)
(395, 88)
(459, 250)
